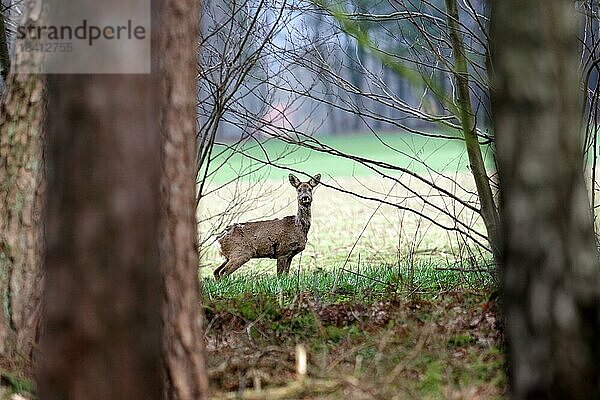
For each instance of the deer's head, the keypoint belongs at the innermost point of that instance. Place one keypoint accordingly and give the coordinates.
(304, 189)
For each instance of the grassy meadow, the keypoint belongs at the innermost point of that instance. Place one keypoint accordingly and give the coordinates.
(402, 149)
(386, 304)
(349, 232)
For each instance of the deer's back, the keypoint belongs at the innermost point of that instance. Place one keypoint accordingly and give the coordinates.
(263, 239)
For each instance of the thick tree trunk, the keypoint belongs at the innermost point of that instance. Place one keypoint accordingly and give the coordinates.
(22, 110)
(552, 273)
(102, 338)
(182, 340)
(489, 212)
(102, 296)
(183, 343)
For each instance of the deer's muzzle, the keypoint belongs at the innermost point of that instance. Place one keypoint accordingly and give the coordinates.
(305, 200)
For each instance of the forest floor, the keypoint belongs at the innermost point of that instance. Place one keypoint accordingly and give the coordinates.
(359, 345)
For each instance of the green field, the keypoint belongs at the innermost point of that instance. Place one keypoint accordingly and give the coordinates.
(346, 230)
(417, 153)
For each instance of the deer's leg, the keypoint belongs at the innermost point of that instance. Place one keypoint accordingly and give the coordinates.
(232, 265)
(281, 265)
(217, 272)
(288, 264)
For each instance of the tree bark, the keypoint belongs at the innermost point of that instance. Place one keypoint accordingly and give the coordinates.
(4, 55)
(22, 185)
(103, 279)
(552, 274)
(489, 212)
(102, 337)
(183, 342)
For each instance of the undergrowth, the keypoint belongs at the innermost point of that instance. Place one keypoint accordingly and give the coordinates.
(387, 333)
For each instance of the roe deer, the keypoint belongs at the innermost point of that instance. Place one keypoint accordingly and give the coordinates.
(280, 239)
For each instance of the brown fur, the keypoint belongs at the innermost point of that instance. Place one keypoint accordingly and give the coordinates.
(279, 239)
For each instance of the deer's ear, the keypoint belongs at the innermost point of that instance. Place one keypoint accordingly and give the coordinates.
(294, 180)
(315, 180)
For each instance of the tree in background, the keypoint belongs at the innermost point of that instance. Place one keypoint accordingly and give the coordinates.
(468, 123)
(552, 272)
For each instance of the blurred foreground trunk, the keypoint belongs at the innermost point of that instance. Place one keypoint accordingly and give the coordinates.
(122, 161)
(22, 185)
(102, 297)
(183, 340)
(102, 338)
(552, 273)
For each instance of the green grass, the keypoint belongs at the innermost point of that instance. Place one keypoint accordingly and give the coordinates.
(399, 149)
(369, 283)
(17, 384)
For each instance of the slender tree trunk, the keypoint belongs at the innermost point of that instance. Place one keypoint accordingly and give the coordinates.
(183, 343)
(22, 184)
(552, 273)
(489, 212)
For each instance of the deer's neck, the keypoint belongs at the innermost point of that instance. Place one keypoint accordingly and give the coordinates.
(303, 218)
